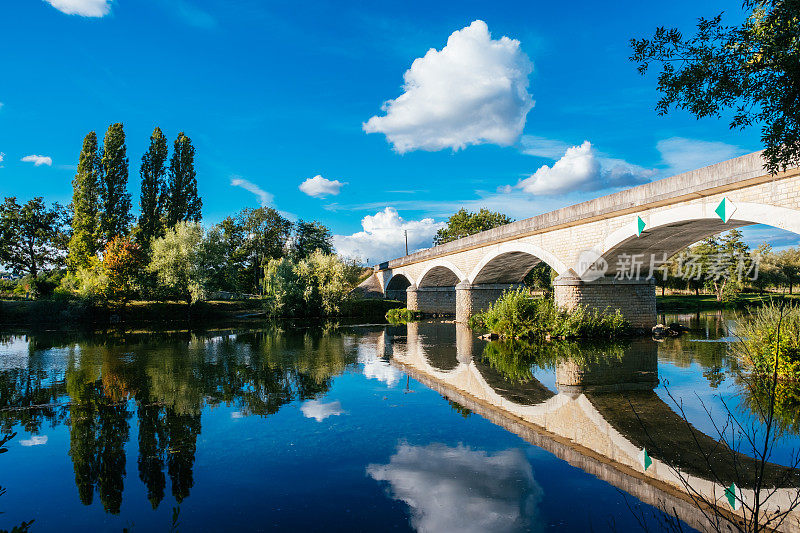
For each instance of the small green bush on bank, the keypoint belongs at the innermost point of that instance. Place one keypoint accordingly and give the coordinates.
(402, 316)
(518, 315)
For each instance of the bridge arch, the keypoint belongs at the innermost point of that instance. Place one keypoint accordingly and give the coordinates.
(510, 262)
(440, 273)
(670, 231)
(396, 286)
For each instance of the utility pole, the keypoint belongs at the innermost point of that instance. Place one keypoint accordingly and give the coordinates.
(406, 232)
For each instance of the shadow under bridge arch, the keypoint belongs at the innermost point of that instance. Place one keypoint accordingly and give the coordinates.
(668, 232)
(435, 292)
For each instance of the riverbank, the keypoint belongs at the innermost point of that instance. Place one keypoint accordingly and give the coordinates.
(79, 312)
(708, 302)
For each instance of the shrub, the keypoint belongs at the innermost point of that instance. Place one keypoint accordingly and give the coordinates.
(759, 344)
(89, 283)
(314, 286)
(517, 314)
(177, 261)
(402, 315)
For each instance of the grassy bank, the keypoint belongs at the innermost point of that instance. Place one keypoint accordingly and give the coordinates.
(80, 312)
(702, 302)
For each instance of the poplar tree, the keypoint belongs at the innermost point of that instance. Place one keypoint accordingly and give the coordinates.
(115, 200)
(152, 200)
(84, 242)
(183, 203)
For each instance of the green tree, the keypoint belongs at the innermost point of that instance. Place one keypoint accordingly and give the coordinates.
(123, 262)
(85, 241)
(182, 203)
(309, 237)
(788, 262)
(115, 200)
(314, 286)
(769, 274)
(177, 260)
(153, 172)
(463, 223)
(32, 236)
(750, 69)
(253, 237)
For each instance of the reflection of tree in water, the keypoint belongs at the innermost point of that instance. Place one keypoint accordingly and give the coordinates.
(169, 378)
(152, 444)
(516, 360)
(756, 391)
(99, 431)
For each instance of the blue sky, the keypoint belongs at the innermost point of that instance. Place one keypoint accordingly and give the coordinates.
(277, 93)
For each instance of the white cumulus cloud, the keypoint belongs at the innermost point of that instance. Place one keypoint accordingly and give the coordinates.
(582, 169)
(264, 198)
(35, 440)
(38, 160)
(319, 187)
(472, 91)
(682, 155)
(383, 236)
(84, 8)
(461, 489)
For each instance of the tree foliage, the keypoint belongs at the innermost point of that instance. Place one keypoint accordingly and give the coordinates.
(33, 237)
(751, 70)
(153, 171)
(464, 223)
(115, 200)
(314, 286)
(309, 237)
(84, 243)
(177, 261)
(123, 261)
(253, 237)
(183, 204)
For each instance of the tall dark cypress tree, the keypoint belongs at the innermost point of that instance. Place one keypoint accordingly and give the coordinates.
(84, 242)
(152, 201)
(183, 203)
(116, 201)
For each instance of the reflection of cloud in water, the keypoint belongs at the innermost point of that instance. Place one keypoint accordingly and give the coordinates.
(35, 440)
(377, 368)
(461, 489)
(320, 411)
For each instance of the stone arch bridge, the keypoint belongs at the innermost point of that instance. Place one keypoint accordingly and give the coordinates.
(602, 249)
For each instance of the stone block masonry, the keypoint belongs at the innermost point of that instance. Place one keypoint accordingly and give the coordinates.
(636, 299)
(472, 299)
(433, 300)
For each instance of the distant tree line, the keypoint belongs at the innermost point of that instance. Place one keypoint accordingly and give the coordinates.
(96, 248)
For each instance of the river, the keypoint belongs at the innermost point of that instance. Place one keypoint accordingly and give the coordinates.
(368, 427)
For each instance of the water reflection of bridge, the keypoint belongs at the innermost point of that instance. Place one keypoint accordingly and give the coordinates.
(604, 412)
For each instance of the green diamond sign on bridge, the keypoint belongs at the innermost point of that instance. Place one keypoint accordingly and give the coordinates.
(725, 210)
(733, 500)
(640, 225)
(644, 459)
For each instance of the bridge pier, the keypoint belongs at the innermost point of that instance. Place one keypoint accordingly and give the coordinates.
(636, 299)
(472, 299)
(634, 368)
(433, 300)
